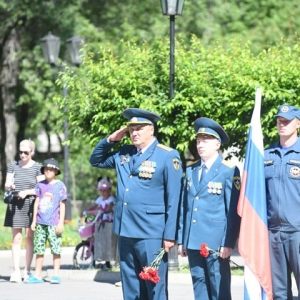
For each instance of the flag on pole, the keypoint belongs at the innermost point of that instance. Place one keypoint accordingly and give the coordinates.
(253, 242)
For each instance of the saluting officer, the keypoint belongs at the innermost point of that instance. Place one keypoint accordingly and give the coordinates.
(209, 213)
(146, 211)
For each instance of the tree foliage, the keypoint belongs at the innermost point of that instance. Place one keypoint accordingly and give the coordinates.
(211, 81)
(117, 31)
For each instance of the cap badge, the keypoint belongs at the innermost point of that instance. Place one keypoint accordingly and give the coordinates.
(202, 129)
(134, 119)
(285, 108)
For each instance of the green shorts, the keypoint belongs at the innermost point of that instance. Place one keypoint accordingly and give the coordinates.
(44, 233)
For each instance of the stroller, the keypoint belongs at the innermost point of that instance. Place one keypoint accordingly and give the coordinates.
(83, 257)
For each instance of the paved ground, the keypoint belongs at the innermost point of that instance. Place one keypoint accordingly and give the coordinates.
(91, 284)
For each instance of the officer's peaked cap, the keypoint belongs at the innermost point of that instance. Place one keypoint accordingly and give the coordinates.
(136, 116)
(288, 112)
(206, 126)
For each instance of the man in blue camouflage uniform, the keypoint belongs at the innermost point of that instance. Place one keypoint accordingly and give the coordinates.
(209, 213)
(148, 195)
(282, 174)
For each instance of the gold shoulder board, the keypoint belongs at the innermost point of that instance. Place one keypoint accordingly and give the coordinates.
(164, 147)
(228, 163)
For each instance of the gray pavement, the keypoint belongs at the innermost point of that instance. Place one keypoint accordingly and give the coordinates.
(91, 284)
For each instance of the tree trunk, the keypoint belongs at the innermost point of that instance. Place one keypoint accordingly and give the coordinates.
(8, 82)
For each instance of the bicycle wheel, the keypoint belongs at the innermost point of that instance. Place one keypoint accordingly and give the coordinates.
(83, 258)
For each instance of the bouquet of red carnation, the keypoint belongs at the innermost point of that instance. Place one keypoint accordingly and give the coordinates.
(205, 251)
(151, 272)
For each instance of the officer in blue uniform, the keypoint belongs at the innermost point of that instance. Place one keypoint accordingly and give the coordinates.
(209, 213)
(147, 204)
(282, 175)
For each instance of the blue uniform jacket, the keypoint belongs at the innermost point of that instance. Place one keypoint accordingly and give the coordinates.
(148, 192)
(282, 174)
(209, 210)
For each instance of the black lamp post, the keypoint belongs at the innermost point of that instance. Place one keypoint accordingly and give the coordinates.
(172, 8)
(50, 46)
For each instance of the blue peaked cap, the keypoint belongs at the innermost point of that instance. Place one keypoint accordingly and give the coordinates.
(136, 116)
(206, 126)
(288, 112)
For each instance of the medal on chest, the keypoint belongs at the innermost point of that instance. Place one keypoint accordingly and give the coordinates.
(146, 169)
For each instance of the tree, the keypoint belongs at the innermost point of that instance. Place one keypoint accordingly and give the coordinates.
(27, 83)
(211, 81)
(23, 90)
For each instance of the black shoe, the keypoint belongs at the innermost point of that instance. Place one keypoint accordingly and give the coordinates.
(108, 265)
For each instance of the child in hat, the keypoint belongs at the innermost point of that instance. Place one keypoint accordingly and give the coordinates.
(105, 239)
(48, 219)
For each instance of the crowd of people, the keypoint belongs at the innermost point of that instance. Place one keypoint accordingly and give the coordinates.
(156, 207)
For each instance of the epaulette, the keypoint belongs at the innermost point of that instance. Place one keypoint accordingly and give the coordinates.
(191, 163)
(228, 163)
(164, 147)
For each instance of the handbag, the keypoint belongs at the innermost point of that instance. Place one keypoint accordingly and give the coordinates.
(10, 196)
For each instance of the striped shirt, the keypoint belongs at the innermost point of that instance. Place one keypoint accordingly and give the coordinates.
(19, 213)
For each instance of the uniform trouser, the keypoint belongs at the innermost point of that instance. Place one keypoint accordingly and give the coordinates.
(134, 255)
(285, 259)
(211, 276)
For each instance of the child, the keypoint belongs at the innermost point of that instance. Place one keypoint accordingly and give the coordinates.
(48, 219)
(105, 240)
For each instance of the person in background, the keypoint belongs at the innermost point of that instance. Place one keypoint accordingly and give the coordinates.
(209, 214)
(22, 176)
(105, 246)
(146, 210)
(48, 220)
(282, 176)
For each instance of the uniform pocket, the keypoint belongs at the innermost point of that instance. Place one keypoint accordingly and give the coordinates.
(155, 209)
(269, 169)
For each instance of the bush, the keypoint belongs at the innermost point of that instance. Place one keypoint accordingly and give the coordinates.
(70, 236)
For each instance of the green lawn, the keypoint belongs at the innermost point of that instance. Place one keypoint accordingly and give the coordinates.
(70, 235)
(70, 238)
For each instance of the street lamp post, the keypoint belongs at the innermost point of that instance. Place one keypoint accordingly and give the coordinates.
(172, 8)
(50, 46)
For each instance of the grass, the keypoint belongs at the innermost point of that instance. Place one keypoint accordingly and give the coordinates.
(237, 271)
(71, 239)
(70, 236)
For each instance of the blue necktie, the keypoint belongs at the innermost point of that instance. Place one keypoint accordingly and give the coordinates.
(136, 156)
(203, 173)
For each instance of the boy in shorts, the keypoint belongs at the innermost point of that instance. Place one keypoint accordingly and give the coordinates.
(48, 220)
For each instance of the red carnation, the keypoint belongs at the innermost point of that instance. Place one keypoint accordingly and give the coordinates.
(151, 272)
(204, 251)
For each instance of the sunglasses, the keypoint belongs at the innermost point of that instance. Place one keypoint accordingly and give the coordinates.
(24, 152)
